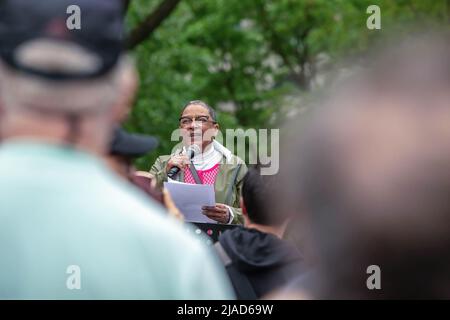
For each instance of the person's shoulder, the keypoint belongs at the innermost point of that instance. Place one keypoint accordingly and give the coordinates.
(163, 158)
(235, 161)
(241, 166)
(172, 239)
(149, 224)
(141, 212)
(160, 163)
(134, 215)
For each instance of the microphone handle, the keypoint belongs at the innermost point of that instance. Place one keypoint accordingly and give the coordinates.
(174, 170)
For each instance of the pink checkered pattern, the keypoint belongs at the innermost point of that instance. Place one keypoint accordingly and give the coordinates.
(206, 176)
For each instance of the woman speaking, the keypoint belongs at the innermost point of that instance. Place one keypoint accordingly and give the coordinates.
(211, 163)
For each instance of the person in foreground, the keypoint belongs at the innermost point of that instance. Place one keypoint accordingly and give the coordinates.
(370, 176)
(256, 258)
(69, 227)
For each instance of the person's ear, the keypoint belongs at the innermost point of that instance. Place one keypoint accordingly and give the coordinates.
(123, 104)
(209, 134)
(215, 131)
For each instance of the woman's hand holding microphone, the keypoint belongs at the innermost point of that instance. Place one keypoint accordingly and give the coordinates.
(180, 160)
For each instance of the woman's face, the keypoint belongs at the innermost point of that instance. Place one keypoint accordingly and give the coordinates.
(197, 126)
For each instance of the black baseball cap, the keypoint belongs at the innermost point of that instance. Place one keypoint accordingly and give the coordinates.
(26, 21)
(132, 145)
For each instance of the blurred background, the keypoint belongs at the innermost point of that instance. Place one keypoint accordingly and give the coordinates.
(257, 62)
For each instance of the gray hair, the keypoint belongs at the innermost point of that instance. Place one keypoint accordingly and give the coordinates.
(22, 91)
(211, 111)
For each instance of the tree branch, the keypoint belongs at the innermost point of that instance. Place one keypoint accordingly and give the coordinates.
(151, 23)
(276, 45)
(274, 40)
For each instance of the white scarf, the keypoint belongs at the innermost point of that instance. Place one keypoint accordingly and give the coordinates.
(212, 155)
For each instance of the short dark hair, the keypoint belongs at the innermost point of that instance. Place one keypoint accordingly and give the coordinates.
(211, 111)
(257, 193)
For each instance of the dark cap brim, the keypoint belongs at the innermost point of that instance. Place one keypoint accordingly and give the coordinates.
(132, 145)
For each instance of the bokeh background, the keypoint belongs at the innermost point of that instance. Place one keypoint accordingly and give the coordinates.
(257, 62)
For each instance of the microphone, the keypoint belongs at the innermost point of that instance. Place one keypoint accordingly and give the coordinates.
(191, 152)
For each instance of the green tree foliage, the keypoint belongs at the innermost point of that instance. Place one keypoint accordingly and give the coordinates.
(245, 56)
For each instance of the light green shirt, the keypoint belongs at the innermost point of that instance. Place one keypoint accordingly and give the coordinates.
(66, 222)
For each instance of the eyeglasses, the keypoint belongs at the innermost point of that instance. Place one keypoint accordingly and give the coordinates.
(186, 121)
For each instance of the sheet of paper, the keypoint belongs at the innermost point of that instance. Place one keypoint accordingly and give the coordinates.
(190, 198)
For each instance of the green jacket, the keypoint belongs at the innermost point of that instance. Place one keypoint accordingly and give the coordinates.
(228, 185)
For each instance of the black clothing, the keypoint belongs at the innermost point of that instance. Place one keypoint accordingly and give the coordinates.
(267, 262)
